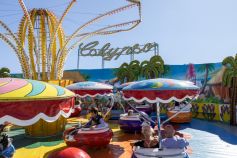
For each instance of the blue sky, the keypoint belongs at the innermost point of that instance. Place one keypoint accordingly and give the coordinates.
(188, 31)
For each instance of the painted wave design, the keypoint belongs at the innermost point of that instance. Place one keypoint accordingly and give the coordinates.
(37, 88)
(60, 90)
(14, 84)
(5, 80)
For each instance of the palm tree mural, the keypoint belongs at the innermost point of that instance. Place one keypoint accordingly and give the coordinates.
(166, 70)
(153, 68)
(146, 69)
(229, 79)
(121, 73)
(4, 72)
(191, 74)
(209, 67)
(135, 68)
(128, 72)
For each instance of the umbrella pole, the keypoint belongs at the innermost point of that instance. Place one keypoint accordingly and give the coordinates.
(122, 107)
(112, 105)
(119, 99)
(147, 119)
(158, 115)
(158, 122)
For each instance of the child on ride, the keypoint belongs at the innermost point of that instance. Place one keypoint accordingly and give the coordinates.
(96, 120)
(172, 140)
(149, 140)
(6, 148)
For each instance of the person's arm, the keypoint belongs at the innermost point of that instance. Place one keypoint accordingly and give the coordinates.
(186, 142)
(155, 140)
(102, 123)
(139, 143)
(183, 143)
(155, 143)
(88, 124)
(163, 144)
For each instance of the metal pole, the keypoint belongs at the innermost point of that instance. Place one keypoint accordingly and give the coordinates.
(157, 49)
(158, 114)
(78, 57)
(158, 122)
(144, 116)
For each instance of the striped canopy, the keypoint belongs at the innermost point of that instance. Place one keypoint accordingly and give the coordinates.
(23, 102)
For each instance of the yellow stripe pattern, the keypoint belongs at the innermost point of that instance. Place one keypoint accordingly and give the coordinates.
(32, 90)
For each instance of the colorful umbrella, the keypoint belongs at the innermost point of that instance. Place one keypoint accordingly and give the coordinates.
(92, 89)
(24, 102)
(160, 90)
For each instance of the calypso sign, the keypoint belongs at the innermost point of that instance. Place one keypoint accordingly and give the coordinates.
(108, 53)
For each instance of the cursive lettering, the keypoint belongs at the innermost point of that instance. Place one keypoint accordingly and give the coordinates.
(108, 53)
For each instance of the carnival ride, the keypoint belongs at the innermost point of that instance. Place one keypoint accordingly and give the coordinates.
(70, 152)
(97, 137)
(41, 33)
(76, 109)
(38, 106)
(42, 47)
(131, 123)
(79, 136)
(90, 89)
(184, 116)
(160, 91)
(93, 90)
(144, 107)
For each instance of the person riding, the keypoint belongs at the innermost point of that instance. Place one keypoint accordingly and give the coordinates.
(185, 106)
(96, 120)
(130, 112)
(172, 140)
(149, 140)
(6, 148)
(176, 105)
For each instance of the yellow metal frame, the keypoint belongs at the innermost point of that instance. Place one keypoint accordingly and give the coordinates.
(45, 60)
(44, 17)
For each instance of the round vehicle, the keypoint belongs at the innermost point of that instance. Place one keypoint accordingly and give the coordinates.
(76, 111)
(139, 152)
(131, 123)
(69, 152)
(145, 108)
(96, 137)
(182, 117)
(158, 91)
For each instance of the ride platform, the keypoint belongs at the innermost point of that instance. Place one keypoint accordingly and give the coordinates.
(207, 139)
